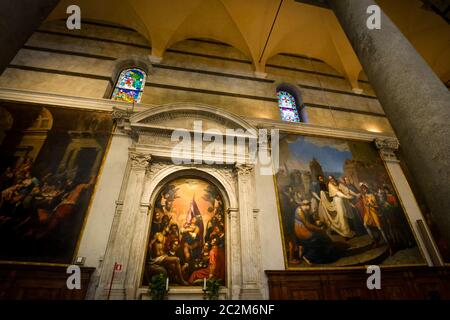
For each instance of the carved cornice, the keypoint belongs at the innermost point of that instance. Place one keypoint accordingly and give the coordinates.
(189, 114)
(139, 160)
(387, 148)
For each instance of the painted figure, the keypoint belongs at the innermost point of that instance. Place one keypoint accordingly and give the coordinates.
(180, 244)
(315, 245)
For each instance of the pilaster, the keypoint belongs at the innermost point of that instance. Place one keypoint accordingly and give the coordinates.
(387, 149)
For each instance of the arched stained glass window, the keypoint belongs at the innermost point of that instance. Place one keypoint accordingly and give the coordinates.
(288, 107)
(129, 86)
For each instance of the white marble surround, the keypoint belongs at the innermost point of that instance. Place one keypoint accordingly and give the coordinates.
(149, 167)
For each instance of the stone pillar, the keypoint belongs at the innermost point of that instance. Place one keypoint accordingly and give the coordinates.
(104, 206)
(414, 99)
(120, 249)
(18, 21)
(387, 149)
(235, 259)
(137, 250)
(250, 252)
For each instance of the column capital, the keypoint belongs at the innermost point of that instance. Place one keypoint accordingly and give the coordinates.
(233, 212)
(139, 160)
(122, 118)
(121, 114)
(243, 169)
(387, 147)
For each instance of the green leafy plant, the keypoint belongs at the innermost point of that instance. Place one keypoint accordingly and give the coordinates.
(212, 289)
(157, 287)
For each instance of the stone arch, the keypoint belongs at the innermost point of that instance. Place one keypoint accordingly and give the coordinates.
(168, 173)
(172, 173)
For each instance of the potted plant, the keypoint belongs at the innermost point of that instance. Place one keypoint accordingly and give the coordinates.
(212, 289)
(158, 286)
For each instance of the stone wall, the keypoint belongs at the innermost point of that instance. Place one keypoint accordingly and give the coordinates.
(81, 63)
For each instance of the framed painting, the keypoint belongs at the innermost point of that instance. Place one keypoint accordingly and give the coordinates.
(187, 234)
(338, 207)
(50, 160)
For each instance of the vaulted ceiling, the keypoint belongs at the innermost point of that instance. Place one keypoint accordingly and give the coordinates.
(263, 28)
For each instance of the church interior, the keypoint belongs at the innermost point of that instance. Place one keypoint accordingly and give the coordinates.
(224, 149)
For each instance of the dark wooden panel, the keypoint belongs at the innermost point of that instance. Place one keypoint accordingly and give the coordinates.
(34, 282)
(403, 283)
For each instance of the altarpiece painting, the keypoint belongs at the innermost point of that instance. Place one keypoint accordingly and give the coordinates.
(338, 207)
(187, 236)
(50, 160)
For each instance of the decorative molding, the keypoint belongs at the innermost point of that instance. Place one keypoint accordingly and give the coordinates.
(386, 143)
(121, 115)
(243, 169)
(387, 148)
(145, 205)
(139, 160)
(122, 119)
(233, 213)
(155, 167)
(317, 130)
(54, 99)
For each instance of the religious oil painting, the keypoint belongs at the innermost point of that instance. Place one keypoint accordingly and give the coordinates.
(187, 236)
(50, 161)
(338, 207)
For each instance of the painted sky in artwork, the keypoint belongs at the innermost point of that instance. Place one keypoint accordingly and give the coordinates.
(189, 189)
(332, 153)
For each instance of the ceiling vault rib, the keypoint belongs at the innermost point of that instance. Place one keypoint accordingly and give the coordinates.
(270, 32)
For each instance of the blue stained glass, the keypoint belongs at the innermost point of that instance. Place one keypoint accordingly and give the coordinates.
(288, 107)
(130, 86)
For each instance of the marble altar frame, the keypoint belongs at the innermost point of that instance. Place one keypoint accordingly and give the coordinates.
(149, 168)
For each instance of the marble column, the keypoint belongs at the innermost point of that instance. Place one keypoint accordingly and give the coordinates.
(250, 251)
(414, 99)
(121, 248)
